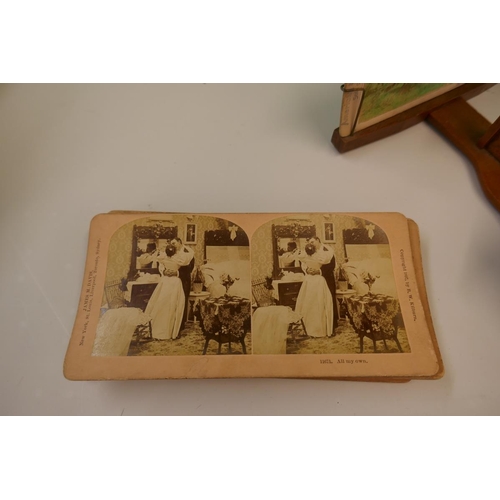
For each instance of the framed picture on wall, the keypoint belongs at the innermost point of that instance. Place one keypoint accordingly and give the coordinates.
(191, 233)
(328, 232)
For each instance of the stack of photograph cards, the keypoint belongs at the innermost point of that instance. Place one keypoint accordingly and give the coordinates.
(336, 296)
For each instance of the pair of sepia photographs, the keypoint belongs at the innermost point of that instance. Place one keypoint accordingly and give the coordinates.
(316, 295)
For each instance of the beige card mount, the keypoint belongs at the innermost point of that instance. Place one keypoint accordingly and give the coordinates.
(315, 295)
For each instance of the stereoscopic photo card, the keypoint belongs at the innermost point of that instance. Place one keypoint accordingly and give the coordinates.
(316, 295)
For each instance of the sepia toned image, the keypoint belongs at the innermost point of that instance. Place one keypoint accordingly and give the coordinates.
(324, 284)
(262, 287)
(176, 285)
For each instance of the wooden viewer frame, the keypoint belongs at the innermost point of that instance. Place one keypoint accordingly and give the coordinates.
(458, 121)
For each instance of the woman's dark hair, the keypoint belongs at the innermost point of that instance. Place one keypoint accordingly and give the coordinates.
(310, 249)
(170, 250)
(151, 247)
(292, 246)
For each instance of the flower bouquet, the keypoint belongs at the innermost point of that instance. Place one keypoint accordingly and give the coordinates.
(227, 282)
(368, 279)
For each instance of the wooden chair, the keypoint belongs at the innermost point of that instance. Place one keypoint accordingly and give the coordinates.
(261, 294)
(263, 298)
(114, 294)
(115, 298)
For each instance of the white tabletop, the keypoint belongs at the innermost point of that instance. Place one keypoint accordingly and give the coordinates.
(68, 152)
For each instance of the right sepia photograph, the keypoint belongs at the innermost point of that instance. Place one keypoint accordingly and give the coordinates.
(324, 284)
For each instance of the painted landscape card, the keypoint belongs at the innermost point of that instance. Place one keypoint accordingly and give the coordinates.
(366, 104)
(383, 100)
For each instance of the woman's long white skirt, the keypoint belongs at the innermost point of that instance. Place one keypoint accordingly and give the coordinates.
(315, 305)
(166, 307)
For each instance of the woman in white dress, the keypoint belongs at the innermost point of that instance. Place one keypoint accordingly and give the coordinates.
(314, 302)
(166, 305)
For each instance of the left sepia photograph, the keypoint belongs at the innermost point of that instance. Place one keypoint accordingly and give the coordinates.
(176, 285)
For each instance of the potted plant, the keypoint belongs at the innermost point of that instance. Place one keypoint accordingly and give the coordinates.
(197, 280)
(342, 277)
(343, 281)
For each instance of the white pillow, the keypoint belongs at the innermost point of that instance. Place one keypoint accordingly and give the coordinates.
(236, 269)
(381, 267)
